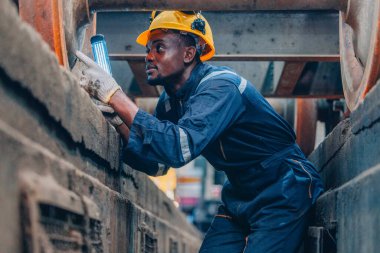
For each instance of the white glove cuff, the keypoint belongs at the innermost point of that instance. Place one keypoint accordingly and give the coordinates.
(109, 94)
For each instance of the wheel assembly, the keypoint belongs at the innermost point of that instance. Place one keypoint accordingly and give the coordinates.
(61, 23)
(359, 49)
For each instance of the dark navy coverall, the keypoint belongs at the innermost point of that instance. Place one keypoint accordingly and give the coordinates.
(220, 115)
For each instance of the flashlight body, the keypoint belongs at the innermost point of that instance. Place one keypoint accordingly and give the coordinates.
(100, 52)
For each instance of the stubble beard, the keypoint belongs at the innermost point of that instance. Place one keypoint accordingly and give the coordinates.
(155, 81)
(164, 81)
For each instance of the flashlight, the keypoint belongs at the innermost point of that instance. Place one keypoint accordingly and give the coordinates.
(100, 52)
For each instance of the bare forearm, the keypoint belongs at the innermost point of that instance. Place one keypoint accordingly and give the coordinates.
(123, 130)
(124, 107)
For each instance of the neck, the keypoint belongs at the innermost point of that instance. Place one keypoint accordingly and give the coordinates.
(174, 85)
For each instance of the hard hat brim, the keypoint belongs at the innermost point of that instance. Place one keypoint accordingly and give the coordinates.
(143, 38)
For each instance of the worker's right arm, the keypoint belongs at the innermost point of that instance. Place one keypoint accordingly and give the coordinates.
(214, 107)
(100, 85)
(142, 163)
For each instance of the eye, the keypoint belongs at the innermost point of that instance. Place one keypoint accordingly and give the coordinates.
(158, 48)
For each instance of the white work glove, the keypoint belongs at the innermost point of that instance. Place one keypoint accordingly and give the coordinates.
(96, 81)
(108, 113)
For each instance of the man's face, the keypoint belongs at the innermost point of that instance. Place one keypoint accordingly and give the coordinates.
(164, 62)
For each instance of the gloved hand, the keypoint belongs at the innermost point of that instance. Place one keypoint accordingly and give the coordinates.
(96, 81)
(108, 113)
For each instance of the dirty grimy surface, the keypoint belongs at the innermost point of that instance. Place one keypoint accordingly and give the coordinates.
(62, 185)
(349, 162)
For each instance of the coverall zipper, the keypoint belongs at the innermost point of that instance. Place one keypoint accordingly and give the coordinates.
(222, 150)
(311, 178)
(180, 108)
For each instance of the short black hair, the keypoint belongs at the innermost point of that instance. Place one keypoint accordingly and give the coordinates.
(188, 40)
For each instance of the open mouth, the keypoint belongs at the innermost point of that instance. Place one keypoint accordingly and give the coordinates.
(149, 69)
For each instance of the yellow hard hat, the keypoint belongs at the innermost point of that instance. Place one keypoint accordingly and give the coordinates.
(182, 21)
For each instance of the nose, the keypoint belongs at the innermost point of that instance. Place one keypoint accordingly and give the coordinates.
(149, 56)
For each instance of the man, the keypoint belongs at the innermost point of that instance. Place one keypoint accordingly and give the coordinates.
(217, 113)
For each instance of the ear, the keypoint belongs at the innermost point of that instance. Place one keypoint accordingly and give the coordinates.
(189, 54)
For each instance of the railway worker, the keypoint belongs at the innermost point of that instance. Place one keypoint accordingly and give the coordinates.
(214, 112)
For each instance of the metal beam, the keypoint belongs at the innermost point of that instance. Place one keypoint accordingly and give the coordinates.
(320, 78)
(245, 57)
(315, 80)
(254, 71)
(289, 77)
(241, 35)
(327, 79)
(218, 5)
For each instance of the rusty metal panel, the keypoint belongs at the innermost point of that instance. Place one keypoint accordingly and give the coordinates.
(48, 25)
(59, 190)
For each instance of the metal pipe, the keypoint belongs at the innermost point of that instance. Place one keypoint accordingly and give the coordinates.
(243, 57)
(218, 5)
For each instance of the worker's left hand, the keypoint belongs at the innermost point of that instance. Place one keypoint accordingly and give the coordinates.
(108, 113)
(96, 81)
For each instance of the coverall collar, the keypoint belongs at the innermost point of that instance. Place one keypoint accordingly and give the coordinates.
(195, 77)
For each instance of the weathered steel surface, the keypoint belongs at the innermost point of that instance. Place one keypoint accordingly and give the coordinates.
(62, 24)
(348, 160)
(79, 25)
(340, 157)
(49, 25)
(62, 187)
(360, 49)
(53, 90)
(217, 5)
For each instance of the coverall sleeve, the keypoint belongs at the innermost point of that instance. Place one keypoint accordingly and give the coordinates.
(214, 107)
(143, 164)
